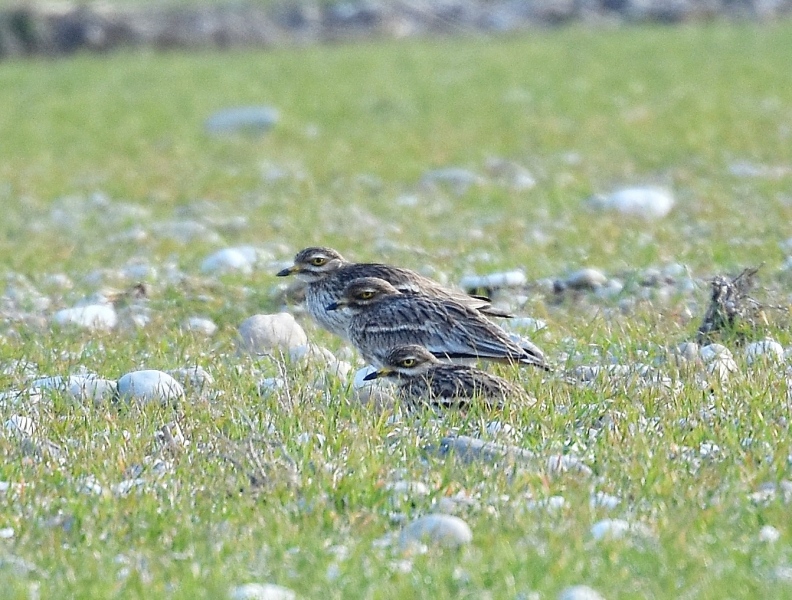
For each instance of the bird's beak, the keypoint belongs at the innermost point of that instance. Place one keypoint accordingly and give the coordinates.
(288, 271)
(383, 372)
(336, 305)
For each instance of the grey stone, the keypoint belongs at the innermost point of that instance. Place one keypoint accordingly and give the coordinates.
(443, 530)
(277, 333)
(143, 387)
(245, 119)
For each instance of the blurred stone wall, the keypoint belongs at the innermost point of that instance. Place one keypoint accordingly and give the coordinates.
(62, 28)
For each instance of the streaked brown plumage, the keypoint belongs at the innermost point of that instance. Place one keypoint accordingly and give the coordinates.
(327, 273)
(422, 379)
(382, 318)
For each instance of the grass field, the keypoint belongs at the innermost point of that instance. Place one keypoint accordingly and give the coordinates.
(583, 111)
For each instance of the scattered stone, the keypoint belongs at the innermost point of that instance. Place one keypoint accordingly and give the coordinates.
(20, 426)
(712, 352)
(524, 324)
(89, 486)
(271, 385)
(170, 437)
(638, 375)
(611, 289)
(687, 352)
(310, 353)
(200, 325)
(261, 591)
(579, 592)
(195, 378)
(767, 350)
(98, 317)
(271, 334)
(123, 488)
(148, 386)
(567, 463)
(444, 530)
(493, 281)
(584, 279)
(648, 203)
(186, 232)
(245, 119)
(458, 179)
(28, 397)
(769, 534)
(618, 528)
(551, 503)
(82, 388)
(360, 377)
(241, 259)
(408, 488)
(719, 361)
(510, 174)
(139, 271)
(58, 280)
(469, 449)
(603, 500)
(744, 168)
(376, 394)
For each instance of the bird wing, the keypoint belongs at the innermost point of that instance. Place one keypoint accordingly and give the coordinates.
(464, 333)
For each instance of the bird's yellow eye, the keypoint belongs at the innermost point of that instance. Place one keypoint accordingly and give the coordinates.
(408, 362)
(367, 295)
(318, 261)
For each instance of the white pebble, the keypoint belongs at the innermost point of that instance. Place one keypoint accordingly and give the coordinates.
(6, 533)
(504, 279)
(200, 325)
(579, 592)
(411, 488)
(603, 500)
(270, 385)
(339, 368)
(20, 426)
(89, 486)
(149, 386)
(616, 529)
(445, 530)
(360, 377)
(58, 280)
(551, 504)
(768, 350)
(562, 463)
(524, 324)
(101, 317)
(261, 591)
(278, 333)
(311, 352)
(27, 397)
(246, 119)
(712, 352)
(769, 534)
(586, 278)
(722, 368)
(139, 272)
(687, 352)
(231, 260)
(460, 180)
(193, 377)
(126, 486)
(499, 427)
(81, 388)
(185, 232)
(649, 203)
